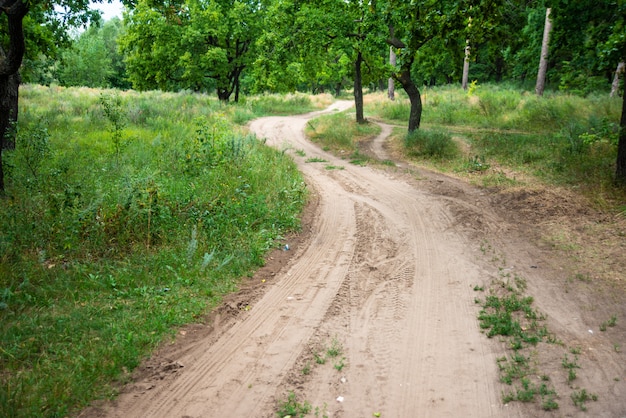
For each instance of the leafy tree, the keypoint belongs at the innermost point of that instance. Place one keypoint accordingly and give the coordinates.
(594, 32)
(14, 25)
(191, 44)
(93, 59)
(86, 62)
(412, 25)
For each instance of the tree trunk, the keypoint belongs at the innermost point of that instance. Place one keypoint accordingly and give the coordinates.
(466, 66)
(543, 61)
(10, 61)
(391, 84)
(615, 85)
(358, 89)
(9, 88)
(620, 171)
(415, 116)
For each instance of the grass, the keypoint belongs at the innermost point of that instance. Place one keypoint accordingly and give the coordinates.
(559, 139)
(291, 407)
(339, 133)
(120, 224)
(581, 397)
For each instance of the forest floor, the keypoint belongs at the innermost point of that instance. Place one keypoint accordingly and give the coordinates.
(373, 309)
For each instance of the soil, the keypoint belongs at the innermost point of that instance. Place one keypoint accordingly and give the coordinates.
(371, 311)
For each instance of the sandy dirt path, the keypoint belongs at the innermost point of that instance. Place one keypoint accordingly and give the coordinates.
(386, 278)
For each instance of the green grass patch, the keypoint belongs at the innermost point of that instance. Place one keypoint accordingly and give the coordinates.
(119, 225)
(339, 133)
(558, 139)
(431, 143)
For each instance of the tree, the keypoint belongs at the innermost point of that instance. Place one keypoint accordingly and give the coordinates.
(13, 48)
(192, 44)
(543, 61)
(595, 32)
(86, 62)
(391, 85)
(411, 26)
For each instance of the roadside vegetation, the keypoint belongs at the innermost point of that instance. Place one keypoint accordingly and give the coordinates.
(126, 215)
(502, 136)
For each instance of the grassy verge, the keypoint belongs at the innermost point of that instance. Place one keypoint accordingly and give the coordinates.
(126, 215)
(340, 134)
(500, 136)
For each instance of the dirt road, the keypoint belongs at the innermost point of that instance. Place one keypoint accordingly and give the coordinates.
(373, 311)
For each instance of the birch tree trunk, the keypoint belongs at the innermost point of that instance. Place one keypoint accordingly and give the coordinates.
(615, 85)
(391, 84)
(466, 66)
(543, 61)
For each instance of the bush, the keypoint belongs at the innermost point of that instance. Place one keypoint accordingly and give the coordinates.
(431, 143)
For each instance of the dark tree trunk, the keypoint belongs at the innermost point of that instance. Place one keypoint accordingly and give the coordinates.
(415, 97)
(223, 94)
(358, 89)
(620, 172)
(337, 89)
(9, 89)
(10, 61)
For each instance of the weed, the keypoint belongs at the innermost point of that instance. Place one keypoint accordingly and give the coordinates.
(319, 359)
(581, 397)
(339, 132)
(321, 412)
(571, 367)
(479, 288)
(334, 167)
(291, 407)
(477, 164)
(300, 153)
(316, 160)
(113, 110)
(610, 323)
(340, 365)
(335, 348)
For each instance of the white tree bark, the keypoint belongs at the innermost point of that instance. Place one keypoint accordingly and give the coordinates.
(543, 62)
(615, 85)
(466, 66)
(391, 86)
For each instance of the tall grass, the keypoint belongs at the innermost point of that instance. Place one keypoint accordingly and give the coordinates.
(339, 131)
(559, 138)
(105, 247)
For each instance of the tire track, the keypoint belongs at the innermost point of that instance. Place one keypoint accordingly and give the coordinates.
(386, 275)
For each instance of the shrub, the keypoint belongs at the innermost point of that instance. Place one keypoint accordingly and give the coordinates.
(431, 143)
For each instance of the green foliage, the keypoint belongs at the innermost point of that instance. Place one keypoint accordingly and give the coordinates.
(93, 59)
(581, 397)
(436, 144)
(101, 259)
(292, 408)
(195, 45)
(340, 132)
(114, 112)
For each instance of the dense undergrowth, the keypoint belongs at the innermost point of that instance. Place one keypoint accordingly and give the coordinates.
(559, 139)
(126, 214)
